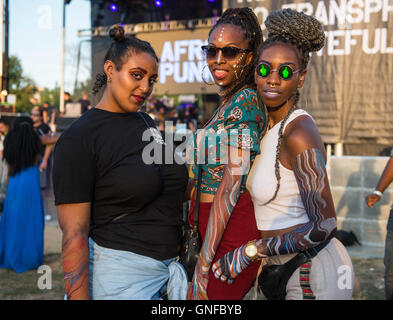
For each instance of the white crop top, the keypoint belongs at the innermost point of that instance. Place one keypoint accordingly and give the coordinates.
(287, 209)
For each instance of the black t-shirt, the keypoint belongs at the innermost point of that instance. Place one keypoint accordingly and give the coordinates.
(99, 160)
(42, 130)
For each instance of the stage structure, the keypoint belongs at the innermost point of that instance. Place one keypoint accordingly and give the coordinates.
(182, 69)
(108, 12)
(348, 88)
(349, 82)
(182, 65)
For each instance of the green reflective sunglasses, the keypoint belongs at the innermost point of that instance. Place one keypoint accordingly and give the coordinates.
(284, 71)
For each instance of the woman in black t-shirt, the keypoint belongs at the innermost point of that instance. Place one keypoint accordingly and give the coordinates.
(112, 202)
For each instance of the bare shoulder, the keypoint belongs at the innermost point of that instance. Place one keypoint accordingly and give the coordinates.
(302, 134)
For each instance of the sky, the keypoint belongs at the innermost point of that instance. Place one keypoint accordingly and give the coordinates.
(35, 37)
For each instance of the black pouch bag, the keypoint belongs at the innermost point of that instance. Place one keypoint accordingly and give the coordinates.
(192, 241)
(274, 278)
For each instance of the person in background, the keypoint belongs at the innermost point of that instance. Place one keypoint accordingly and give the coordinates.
(226, 214)
(85, 103)
(42, 129)
(288, 182)
(49, 115)
(384, 181)
(50, 138)
(22, 220)
(45, 164)
(191, 116)
(162, 113)
(4, 127)
(67, 99)
(120, 213)
(45, 112)
(150, 108)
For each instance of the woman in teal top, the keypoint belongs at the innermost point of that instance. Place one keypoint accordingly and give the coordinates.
(238, 125)
(227, 146)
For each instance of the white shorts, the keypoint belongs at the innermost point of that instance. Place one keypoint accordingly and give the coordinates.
(331, 275)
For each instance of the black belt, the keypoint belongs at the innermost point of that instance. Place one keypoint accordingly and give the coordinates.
(273, 278)
(312, 252)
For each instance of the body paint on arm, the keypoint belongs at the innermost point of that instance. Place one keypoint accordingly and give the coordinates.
(224, 202)
(75, 256)
(310, 171)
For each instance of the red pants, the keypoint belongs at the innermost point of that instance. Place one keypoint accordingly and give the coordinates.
(241, 228)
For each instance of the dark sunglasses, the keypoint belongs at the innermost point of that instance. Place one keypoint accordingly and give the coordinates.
(285, 72)
(228, 52)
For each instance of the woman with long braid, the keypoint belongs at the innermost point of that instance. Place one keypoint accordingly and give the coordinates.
(226, 218)
(288, 182)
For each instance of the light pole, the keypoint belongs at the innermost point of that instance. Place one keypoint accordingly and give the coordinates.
(78, 62)
(1, 42)
(6, 36)
(65, 2)
(4, 21)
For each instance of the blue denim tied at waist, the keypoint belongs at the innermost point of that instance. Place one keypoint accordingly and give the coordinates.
(117, 274)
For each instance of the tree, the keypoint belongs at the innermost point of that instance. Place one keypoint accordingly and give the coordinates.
(23, 87)
(15, 73)
(25, 95)
(52, 96)
(82, 87)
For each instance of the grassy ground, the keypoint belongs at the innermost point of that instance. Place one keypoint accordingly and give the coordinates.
(369, 284)
(24, 286)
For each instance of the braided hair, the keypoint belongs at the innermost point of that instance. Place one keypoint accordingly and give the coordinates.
(120, 50)
(246, 19)
(306, 34)
(297, 29)
(21, 145)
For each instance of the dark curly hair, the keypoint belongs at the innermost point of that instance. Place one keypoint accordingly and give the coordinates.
(21, 145)
(120, 50)
(295, 28)
(246, 19)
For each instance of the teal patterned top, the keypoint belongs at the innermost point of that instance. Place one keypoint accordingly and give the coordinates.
(241, 124)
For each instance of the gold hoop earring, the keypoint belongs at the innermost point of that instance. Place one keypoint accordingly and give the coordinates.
(202, 73)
